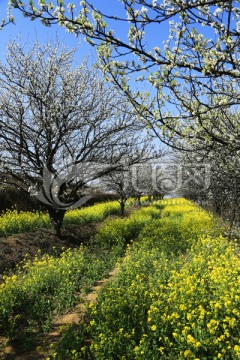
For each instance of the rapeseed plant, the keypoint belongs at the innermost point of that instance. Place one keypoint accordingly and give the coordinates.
(12, 221)
(47, 285)
(185, 306)
(176, 295)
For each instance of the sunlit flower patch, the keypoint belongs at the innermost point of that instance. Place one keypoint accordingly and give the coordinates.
(12, 221)
(48, 285)
(167, 304)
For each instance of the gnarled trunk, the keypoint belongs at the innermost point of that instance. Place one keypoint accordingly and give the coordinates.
(56, 216)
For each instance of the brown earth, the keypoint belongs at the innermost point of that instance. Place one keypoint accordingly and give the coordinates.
(14, 248)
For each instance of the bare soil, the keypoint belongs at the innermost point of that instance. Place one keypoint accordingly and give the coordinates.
(14, 248)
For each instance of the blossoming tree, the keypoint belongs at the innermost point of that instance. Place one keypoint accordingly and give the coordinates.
(60, 127)
(188, 51)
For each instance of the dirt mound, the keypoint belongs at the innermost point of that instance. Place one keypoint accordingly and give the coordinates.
(14, 248)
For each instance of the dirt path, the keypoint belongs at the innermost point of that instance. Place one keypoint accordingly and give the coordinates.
(12, 352)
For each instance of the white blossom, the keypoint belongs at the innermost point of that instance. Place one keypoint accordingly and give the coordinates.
(144, 10)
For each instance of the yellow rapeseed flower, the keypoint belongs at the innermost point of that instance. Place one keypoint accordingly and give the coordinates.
(187, 353)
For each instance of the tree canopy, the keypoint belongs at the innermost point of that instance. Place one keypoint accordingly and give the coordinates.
(61, 127)
(191, 62)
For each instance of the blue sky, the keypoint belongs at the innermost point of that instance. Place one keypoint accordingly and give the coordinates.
(29, 31)
(32, 30)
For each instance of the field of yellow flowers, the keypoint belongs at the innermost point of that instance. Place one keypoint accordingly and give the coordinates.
(48, 285)
(176, 296)
(13, 222)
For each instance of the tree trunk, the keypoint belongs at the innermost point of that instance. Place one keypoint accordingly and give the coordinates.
(122, 204)
(56, 216)
(139, 200)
